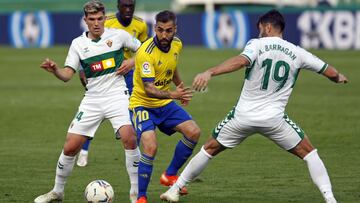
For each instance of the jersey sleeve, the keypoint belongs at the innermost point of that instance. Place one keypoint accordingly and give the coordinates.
(311, 62)
(251, 50)
(146, 67)
(73, 58)
(131, 42)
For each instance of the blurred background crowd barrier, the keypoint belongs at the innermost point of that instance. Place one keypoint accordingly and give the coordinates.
(328, 24)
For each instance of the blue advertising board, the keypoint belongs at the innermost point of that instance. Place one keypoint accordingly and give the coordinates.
(309, 29)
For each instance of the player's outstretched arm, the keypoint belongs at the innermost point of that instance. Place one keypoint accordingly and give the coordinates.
(334, 75)
(181, 93)
(235, 63)
(64, 74)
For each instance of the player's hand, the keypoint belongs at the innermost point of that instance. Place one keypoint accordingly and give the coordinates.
(125, 67)
(184, 102)
(201, 81)
(82, 77)
(49, 65)
(184, 94)
(342, 79)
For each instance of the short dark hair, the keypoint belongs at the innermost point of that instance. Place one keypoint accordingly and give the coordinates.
(119, 2)
(273, 17)
(165, 16)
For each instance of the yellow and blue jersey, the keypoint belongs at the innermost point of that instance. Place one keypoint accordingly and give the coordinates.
(152, 64)
(137, 28)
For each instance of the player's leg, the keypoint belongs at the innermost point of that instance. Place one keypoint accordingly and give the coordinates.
(184, 148)
(132, 157)
(119, 116)
(149, 146)
(83, 155)
(317, 169)
(86, 122)
(177, 119)
(144, 121)
(82, 159)
(292, 138)
(64, 167)
(227, 134)
(194, 168)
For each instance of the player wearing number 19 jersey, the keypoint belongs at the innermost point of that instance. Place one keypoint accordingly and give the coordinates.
(273, 65)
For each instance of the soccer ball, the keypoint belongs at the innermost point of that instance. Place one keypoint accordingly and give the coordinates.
(99, 191)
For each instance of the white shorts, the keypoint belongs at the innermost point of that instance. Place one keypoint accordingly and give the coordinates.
(93, 110)
(230, 132)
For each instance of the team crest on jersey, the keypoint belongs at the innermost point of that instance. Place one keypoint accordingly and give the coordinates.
(146, 68)
(109, 42)
(176, 56)
(168, 73)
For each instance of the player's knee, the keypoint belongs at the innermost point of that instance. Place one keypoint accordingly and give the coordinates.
(194, 134)
(150, 149)
(129, 142)
(70, 150)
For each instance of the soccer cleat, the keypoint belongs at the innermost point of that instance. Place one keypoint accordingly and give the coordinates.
(167, 180)
(171, 195)
(330, 200)
(49, 197)
(82, 159)
(142, 200)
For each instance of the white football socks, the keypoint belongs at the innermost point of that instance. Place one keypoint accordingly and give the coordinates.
(196, 165)
(64, 168)
(132, 163)
(319, 174)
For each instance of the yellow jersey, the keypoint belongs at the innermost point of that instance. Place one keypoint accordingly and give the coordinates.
(136, 28)
(151, 64)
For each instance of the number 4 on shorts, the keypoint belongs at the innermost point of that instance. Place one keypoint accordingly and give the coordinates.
(79, 115)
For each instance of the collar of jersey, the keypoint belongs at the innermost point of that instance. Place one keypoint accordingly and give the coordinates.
(93, 40)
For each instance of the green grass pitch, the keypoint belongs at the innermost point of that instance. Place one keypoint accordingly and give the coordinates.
(36, 109)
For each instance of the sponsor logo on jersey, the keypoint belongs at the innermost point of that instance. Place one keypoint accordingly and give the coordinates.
(102, 65)
(86, 50)
(146, 68)
(163, 82)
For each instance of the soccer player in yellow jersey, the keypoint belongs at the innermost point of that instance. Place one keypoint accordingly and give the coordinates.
(152, 102)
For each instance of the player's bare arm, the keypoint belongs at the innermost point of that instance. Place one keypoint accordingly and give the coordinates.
(235, 63)
(334, 75)
(64, 74)
(181, 92)
(176, 78)
(125, 66)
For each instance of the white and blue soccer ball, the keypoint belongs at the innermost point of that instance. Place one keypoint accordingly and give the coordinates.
(99, 191)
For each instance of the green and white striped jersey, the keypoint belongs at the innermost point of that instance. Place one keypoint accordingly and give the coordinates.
(274, 67)
(100, 59)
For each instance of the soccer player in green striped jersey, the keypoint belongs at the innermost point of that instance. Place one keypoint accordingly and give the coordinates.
(273, 65)
(100, 53)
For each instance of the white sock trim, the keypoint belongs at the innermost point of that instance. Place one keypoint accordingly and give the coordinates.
(313, 152)
(205, 152)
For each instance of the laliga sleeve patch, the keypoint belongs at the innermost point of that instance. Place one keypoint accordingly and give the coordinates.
(146, 68)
